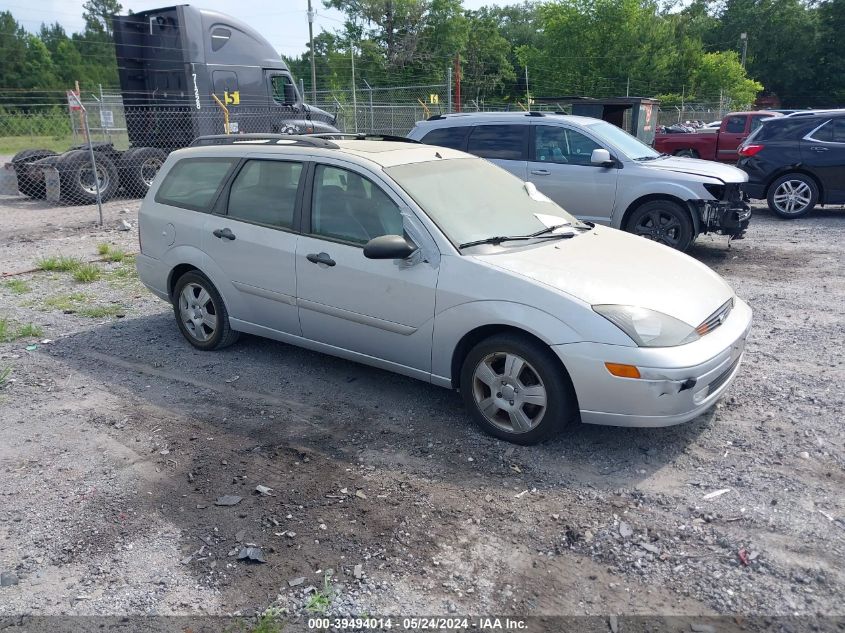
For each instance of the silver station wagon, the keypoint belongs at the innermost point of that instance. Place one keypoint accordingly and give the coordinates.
(439, 265)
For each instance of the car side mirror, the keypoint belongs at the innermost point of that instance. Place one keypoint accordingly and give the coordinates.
(290, 94)
(601, 157)
(389, 247)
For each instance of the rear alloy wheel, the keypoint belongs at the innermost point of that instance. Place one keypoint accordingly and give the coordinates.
(663, 221)
(516, 390)
(201, 314)
(793, 195)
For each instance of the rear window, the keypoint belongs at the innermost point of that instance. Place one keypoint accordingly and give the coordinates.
(735, 125)
(505, 142)
(451, 137)
(193, 182)
(831, 132)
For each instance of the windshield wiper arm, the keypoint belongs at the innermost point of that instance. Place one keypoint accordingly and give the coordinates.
(515, 238)
(549, 229)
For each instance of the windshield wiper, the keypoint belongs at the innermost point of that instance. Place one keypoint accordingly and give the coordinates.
(549, 229)
(516, 238)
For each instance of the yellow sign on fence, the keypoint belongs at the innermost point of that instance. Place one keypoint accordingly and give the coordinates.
(232, 98)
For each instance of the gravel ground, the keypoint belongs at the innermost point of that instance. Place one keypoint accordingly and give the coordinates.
(119, 439)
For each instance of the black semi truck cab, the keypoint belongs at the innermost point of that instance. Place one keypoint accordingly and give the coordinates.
(182, 68)
(184, 72)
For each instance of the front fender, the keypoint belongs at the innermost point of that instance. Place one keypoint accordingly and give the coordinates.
(451, 325)
(640, 190)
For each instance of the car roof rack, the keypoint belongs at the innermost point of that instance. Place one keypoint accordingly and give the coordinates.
(264, 139)
(363, 136)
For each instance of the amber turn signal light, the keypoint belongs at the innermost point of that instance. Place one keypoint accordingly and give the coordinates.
(623, 371)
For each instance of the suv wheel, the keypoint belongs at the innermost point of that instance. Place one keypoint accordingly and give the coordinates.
(516, 390)
(793, 195)
(663, 221)
(201, 313)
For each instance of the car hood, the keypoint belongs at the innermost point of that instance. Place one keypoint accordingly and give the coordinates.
(608, 266)
(712, 169)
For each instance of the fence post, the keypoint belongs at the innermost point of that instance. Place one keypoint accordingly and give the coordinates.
(372, 118)
(449, 88)
(83, 114)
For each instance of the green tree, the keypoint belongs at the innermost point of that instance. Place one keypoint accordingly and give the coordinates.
(722, 75)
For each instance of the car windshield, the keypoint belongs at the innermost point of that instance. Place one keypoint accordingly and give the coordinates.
(471, 199)
(629, 145)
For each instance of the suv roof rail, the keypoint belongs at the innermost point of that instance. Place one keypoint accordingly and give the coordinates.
(363, 136)
(535, 113)
(260, 139)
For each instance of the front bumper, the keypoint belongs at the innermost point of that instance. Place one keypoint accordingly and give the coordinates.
(677, 383)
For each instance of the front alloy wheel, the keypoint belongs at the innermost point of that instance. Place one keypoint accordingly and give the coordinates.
(509, 392)
(516, 389)
(662, 221)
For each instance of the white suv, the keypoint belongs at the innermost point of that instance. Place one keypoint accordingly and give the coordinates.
(441, 266)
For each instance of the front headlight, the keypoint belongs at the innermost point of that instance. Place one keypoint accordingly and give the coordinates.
(648, 328)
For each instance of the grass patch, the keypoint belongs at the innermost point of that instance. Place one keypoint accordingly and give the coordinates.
(267, 623)
(99, 312)
(320, 601)
(66, 303)
(115, 255)
(10, 332)
(18, 286)
(86, 273)
(58, 263)
(103, 249)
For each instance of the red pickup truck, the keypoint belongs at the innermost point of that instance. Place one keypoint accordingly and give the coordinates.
(720, 144)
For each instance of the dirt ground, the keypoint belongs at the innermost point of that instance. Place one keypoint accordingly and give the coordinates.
(118, 438)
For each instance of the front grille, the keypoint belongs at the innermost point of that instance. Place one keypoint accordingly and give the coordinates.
(723, 377)
(716, 319)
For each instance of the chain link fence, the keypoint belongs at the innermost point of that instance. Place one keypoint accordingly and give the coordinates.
(45, 148)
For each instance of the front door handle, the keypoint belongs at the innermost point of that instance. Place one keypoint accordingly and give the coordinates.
(540, 172)
(818, 148)
(320, 258)
(225, 234)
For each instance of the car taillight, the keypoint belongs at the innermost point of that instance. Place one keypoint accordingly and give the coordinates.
(750, 150)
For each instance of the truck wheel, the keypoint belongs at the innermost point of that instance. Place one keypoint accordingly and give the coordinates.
(688, 152)
(139, 167)
(28, 186)
(663, 221)
(77, 177)
(515, 389)
(793, 195)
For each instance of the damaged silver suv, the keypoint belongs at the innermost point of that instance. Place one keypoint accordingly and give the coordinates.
(600, 173)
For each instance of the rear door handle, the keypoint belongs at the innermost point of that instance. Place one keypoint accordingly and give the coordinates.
(320, 258)
(540, 172)
(225, 234)
(818, 148)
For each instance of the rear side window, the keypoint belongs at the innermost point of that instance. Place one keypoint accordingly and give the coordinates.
(735, 125)
(451, 137)
(831, 132)
(264, 192)
(192, 183)
(505, 142)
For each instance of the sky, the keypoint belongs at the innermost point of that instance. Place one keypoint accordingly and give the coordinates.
(284, 22)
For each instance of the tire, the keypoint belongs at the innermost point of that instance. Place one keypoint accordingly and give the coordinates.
(30, 187)
(662, 221)
(193, 295)
(793, 195)
(139, 166)
(688, 152)
(77, 183)
(490, 366)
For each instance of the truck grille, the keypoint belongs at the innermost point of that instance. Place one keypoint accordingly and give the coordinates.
(716, 319)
